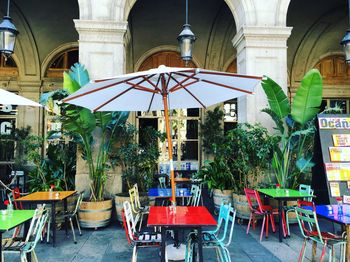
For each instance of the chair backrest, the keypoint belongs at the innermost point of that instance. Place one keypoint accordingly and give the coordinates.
(231, 219)
(162, 182)
(134, 199)
(78, 203)
(16, 193)
(308, 216)
(195, 196)
(129, 219)
(126, 228)
(253, 197)
(307, 190)
(221, 231)
(37, 233)
(35, 222)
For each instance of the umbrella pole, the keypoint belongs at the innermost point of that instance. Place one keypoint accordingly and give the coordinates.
(170, 149)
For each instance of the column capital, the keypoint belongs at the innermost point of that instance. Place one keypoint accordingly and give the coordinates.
(261, 36)
(101, 30)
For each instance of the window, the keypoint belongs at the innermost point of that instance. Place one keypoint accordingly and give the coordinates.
(343, 103)
(184, 124)
(8, 115)
(230, 114)
(63, 62)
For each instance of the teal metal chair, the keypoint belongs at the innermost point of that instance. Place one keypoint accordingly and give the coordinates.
(308, 224)
(27, 245)
(219, 239)
(303, 189)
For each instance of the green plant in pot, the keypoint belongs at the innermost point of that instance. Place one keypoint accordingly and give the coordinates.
(292, 158)
(94, 133)
(217, 175)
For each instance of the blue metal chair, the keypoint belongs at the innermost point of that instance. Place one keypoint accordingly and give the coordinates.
(219, 239)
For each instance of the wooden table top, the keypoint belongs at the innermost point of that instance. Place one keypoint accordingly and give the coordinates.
(47, 196)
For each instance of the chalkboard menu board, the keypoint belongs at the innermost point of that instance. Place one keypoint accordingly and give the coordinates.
(331, 174)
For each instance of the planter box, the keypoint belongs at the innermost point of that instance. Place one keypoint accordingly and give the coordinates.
(241, 206)
(221, 196)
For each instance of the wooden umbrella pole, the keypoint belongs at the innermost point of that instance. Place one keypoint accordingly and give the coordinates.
(170, 143)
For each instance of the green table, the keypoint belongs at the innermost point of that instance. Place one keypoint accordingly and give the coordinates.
(13, 219)
(282, 195)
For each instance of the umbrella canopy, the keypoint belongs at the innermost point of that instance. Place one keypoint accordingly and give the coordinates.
(163, 88)
(8, 98)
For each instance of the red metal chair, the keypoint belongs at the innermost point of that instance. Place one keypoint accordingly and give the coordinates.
(16, 193)
(265, 211)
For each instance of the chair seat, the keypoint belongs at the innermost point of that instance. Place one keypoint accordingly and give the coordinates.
(14, 244)
(326, 235)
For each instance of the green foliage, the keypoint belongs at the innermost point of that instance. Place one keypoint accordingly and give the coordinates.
(292, 158)
(240, 157)
(217, 174)
(83, 126)
(138, 161)
(211, 130)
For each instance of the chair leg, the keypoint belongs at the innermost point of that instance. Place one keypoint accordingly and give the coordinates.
(250, 220)
(134, 254)
(323, 250)
(78, 224)
(34, 256)
(302, 251)
(273, 225)
(48, 230)
(71, 225)
(262, 228)
(287, 221)
(141, 219)
(23, 257)
(284, 226)
(267, 226)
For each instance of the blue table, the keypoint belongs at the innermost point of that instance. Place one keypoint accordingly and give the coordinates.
(166, 192)
(330, 212)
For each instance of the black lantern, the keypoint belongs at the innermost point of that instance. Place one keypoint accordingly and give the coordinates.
(346, 41)
(8, 33)
(186, 39)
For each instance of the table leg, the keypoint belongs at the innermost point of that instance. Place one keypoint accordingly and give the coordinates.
(162, 254)
(280, 225)
(65, 219)
(347, 254)
(200, 247)
(53, 222)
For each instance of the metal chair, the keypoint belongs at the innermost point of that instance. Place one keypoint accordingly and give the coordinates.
(266, 211)
(195, 196)
(302, 189)
(219, 239)
(136, 207)
(27, 245)
(312, 231)
(70, 215)
(138, 239)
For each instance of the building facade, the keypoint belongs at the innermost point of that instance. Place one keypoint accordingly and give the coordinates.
(279, 38)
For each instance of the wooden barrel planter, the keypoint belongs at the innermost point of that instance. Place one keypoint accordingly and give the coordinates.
(119, 199)
(95, 214)
(221, 196)
(241, 206)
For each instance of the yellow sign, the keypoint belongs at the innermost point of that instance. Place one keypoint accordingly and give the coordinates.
(334, 186)
(338, 171)
(341, 139)
(339, 154)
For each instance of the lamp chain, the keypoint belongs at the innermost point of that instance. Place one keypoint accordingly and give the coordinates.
(8, 7)
(187, 11)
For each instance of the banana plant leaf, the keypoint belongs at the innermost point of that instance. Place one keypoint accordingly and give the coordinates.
(308, 97)
(79, 74)
(277, 99)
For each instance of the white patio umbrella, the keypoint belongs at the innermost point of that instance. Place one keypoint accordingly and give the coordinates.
(163, 88)
(8, 98)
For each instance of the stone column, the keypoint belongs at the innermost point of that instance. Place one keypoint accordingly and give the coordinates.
(261, 51)
(101, 47)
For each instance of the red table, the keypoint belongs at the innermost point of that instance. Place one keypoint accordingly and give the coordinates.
(184, 217)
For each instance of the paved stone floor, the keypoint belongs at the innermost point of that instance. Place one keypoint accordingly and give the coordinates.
(109, 244)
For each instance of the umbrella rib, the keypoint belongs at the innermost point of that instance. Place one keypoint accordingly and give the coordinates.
(179, 84)
(156, 87)
(188, 91)
(151, 83)
(229, 87)
(141, 88)
(230, 74)
(113, 98)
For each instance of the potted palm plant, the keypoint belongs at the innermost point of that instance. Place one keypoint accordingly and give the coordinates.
(95, 133)
(292, 158)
